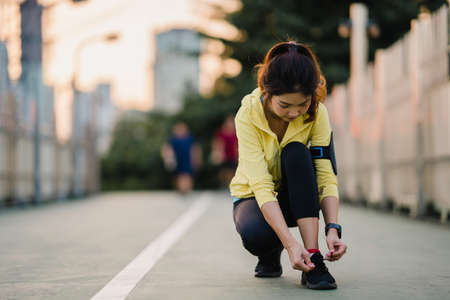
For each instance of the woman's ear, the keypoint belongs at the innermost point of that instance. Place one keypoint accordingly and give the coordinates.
(321, 90)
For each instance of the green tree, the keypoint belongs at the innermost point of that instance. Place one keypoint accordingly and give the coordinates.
(266, 22)
(133, 161)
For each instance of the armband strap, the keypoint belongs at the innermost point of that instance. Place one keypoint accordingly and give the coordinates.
(325, 152)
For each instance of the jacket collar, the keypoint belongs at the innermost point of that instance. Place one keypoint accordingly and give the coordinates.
(258, 117)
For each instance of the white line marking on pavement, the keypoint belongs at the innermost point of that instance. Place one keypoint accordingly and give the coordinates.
(124, 282)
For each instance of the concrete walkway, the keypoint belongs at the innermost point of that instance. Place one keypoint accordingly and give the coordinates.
(71, 250)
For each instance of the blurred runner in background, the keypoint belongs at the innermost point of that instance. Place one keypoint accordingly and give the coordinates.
(182, 156)
(225, 151)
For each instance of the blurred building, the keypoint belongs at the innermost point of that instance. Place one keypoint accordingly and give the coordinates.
(94, 118)
(31, 83)
(34, 164)
(10, 28)
(107, 117)
(4, 81)
(4, 120)
(83, 106)
(4, 78)
(176, 68)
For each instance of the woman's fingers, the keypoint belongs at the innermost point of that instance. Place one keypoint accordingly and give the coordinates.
(329, 255)
(339, 250)
(300, 258)
(303, 263)
(306, 258)
(303, 266)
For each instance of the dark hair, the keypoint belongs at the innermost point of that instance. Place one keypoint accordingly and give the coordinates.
(291, 67)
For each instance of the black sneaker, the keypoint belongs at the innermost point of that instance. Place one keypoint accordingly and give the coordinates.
(318, 278)
(269, 266)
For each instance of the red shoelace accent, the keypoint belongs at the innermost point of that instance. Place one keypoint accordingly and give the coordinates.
(313, 250)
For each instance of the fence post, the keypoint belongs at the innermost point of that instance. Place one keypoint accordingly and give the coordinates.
(358, 69)
(380, 91)
(416, 97)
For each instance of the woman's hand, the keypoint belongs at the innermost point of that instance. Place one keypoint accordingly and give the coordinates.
(299, 258)
(335, 245)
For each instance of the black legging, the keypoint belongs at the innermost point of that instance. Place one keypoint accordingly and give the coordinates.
(298, 198)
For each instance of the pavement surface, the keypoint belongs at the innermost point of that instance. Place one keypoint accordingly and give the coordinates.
(72, 249)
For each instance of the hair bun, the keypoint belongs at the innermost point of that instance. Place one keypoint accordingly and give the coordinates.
(321, 90)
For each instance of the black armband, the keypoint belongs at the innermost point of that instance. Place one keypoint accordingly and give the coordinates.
(325, 152)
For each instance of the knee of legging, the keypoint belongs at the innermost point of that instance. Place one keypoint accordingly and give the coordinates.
(259, 240)
(296, 151)
(295, 147)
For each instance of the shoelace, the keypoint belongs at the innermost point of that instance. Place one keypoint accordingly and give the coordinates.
(320, 266)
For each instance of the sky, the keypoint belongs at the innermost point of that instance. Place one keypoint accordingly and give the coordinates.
(126, 62)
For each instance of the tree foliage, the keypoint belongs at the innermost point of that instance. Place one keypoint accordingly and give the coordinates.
(266, 22)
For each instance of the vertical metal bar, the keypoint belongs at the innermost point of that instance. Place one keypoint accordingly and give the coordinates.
(37, 137)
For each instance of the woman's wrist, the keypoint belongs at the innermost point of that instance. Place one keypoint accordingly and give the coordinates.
(332, 232)
(293, 243)
(330, 207)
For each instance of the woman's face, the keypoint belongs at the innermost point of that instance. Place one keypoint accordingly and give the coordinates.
(290, 106)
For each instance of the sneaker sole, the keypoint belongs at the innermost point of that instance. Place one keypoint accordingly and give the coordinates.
(322, 285)
(269, 274)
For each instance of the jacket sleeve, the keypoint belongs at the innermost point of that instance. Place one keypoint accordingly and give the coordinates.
(252, 162)
(321, 136)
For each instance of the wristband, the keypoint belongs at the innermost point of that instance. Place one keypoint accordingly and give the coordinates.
(335, 226)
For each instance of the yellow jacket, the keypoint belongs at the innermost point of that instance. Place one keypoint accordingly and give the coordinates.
(259, 169)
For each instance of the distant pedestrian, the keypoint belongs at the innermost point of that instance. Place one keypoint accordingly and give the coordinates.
(225, 150)
(287, 168)
(182, 156)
